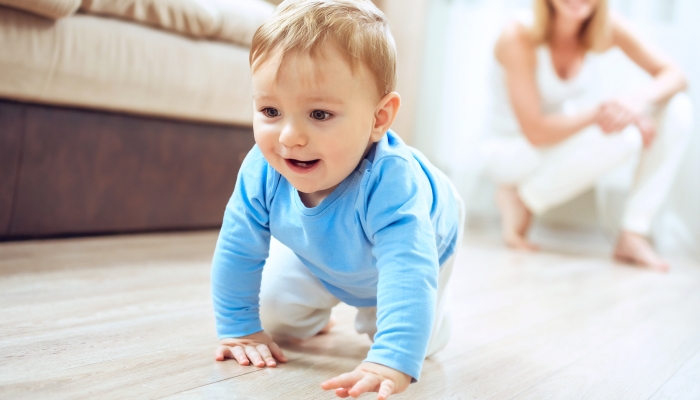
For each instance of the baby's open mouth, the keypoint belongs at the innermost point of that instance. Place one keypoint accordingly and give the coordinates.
(302, 164)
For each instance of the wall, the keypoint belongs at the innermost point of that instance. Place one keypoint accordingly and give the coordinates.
(408, 19)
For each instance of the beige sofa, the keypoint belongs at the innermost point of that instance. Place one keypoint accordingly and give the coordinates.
(134, 115)
(122, 115)
(183, 59)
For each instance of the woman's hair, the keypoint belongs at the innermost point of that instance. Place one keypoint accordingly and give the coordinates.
(356, 27)
(594, 31)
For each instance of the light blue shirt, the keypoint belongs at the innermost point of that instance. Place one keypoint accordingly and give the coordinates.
(377, 240)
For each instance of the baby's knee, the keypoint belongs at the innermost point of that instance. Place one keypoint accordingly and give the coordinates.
(275, 314)
(287, 319)
(366, 321)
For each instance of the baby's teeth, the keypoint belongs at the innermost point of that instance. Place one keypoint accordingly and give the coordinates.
(302, 164)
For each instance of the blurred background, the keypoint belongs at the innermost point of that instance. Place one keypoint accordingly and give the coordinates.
(454, 113)
(134, 115)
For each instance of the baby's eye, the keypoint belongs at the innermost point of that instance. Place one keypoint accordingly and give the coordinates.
(271, 112)
(320, 115)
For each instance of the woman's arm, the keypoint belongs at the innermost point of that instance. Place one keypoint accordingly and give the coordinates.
(637, 108)
(668, 78)
(515, 51)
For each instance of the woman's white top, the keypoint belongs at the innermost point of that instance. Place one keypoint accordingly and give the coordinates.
(557, 95)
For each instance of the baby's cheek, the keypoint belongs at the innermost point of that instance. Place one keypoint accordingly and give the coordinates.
(267, 142)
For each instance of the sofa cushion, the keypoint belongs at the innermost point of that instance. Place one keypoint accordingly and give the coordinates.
(196, 18)
(87, 61)
(225, 20)
(53, 9)
(241, 18)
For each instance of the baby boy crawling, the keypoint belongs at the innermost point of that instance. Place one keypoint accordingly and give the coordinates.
(356, 215)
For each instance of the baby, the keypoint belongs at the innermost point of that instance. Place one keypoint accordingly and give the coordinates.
(334, 205)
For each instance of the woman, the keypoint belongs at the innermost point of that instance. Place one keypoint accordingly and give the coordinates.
(553, 147)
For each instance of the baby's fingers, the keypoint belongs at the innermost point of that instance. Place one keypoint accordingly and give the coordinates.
(222, 353)
(346, 380)
(265, 354)
(239, 355)
(277, 352)
(369, 383)
(386, 389)
(236, 352)
(254, 356)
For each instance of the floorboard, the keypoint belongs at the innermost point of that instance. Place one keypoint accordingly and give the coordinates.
(130, 317)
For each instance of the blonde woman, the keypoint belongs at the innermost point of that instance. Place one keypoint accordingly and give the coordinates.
(554, 145)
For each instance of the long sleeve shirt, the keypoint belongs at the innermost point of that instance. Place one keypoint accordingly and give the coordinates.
(377, 240)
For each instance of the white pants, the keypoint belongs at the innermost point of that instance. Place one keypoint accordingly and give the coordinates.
(551, 175)
(294, 303)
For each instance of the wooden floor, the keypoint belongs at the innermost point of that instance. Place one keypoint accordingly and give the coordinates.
(130, 317)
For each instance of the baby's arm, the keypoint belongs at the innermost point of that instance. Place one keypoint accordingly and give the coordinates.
(240, 254)
(399, 226)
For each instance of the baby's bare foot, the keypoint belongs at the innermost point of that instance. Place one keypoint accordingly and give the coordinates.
(515, 219)
(635, 249)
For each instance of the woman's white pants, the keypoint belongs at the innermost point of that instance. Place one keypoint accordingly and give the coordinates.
(549, 176)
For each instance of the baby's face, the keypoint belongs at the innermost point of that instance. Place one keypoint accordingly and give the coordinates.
(313, 119)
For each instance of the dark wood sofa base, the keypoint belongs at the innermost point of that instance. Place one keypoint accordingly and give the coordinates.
(67, 171)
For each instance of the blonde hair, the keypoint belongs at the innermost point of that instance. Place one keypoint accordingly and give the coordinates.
(594, 32)
(357, 27)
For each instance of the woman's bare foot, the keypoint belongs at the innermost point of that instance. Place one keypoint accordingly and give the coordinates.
(515, 219)
(635, 249)
(327, 328)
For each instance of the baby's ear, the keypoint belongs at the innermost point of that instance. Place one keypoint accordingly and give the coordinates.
(385, 114)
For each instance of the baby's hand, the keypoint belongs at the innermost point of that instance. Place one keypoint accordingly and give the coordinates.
(368, 377)
(258, 349)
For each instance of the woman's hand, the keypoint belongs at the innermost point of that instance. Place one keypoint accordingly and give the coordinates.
(258, 349)
(615, 115)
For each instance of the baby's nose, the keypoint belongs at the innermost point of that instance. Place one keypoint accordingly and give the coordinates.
(293, 136)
